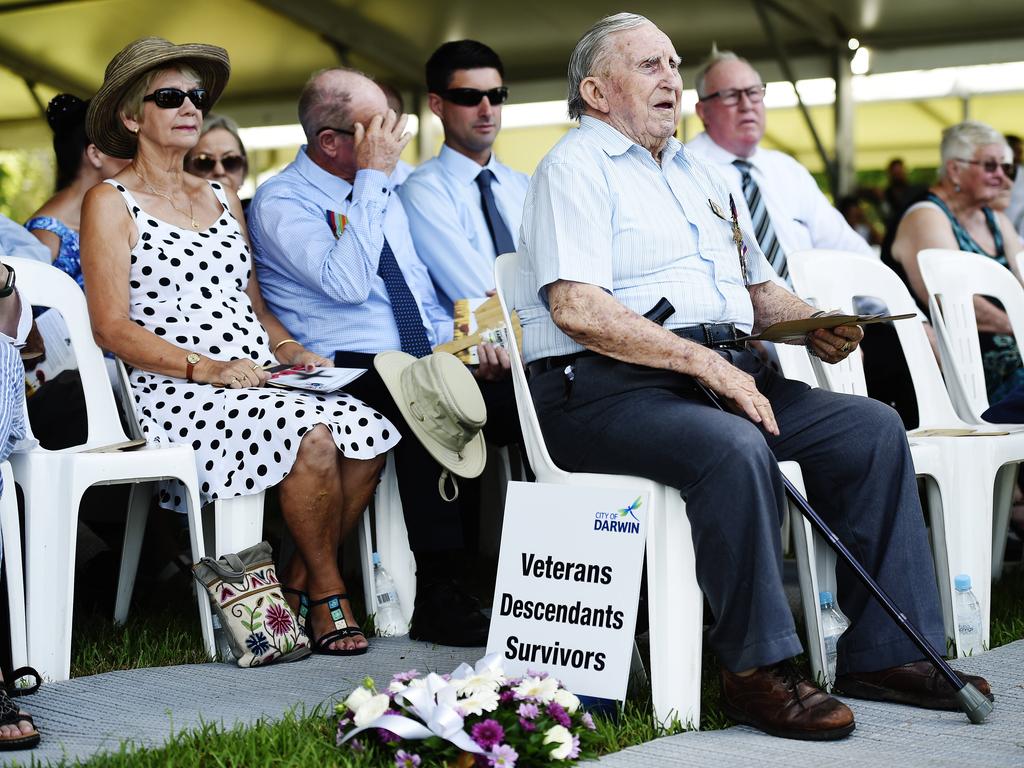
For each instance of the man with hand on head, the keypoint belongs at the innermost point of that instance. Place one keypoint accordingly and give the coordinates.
(620, 216)
(336, 262)
(464, 206)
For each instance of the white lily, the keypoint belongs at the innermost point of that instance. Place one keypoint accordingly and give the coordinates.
(567, 699)
(371, 709)
(358, 697)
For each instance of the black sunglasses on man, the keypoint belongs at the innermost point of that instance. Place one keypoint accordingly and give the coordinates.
(470, 97)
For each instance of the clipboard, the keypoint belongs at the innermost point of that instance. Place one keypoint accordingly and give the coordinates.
(795, 330)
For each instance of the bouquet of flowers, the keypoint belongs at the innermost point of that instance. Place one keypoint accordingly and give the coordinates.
(476, 716)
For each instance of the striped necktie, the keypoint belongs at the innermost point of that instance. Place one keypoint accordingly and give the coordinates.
(411, 333)
(762, 223)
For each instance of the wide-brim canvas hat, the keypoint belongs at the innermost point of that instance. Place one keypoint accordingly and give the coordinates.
(103, 121)
(442, 405)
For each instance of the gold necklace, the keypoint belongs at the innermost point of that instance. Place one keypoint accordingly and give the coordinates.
(158, 193)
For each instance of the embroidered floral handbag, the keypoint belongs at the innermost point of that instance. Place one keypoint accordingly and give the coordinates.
(246, 596)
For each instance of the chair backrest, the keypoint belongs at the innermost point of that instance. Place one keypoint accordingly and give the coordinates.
(953, 279)
(832, 279)
(43, 285)
(506, 269)
(796, 363)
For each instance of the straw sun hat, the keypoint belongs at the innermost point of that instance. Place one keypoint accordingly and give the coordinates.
(103, 120)
(442, 405)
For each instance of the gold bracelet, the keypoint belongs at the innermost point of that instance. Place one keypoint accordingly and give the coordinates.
(282, 343)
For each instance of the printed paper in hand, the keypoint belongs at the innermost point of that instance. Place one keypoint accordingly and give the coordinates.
(478, 321)
(313, 379)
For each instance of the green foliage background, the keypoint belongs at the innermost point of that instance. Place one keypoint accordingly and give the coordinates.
(26, 181)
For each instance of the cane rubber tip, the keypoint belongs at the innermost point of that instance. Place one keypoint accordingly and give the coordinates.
(973, 703)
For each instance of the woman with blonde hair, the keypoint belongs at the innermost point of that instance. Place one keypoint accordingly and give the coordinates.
(172, 292)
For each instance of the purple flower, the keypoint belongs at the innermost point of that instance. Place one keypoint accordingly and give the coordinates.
(557, 711)
(405, 759)
(279, 620)
(539, 675)
(527, 725)
(502, 756)
(588, 721)
(506, 696)
(529, 711)
(575, 752)
(487, 734)
(405, 677)
(357, 746)
(386, 736)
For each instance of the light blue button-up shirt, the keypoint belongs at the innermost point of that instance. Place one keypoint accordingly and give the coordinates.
(322, 285)
(601, 211)
(446, 217)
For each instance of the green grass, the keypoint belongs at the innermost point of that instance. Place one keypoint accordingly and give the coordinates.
(169, 635)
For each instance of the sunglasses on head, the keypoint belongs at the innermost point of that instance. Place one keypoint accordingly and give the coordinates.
(991, 166)
(172, 98)
(206, 164)
(470, 97)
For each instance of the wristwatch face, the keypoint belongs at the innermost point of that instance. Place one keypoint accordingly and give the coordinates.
(192, 358)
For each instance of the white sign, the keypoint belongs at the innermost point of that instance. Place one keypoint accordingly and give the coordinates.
(568, 581)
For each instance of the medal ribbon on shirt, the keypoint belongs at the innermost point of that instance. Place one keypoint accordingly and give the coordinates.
(337, 222)
(737, 237)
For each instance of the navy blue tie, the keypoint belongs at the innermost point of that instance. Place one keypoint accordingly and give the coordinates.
(411, 333)
(495, 224)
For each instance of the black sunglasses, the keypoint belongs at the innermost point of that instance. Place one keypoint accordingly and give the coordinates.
(470, 97)
(991, 166)
(205, 164)
(345, 131)
(172, 98)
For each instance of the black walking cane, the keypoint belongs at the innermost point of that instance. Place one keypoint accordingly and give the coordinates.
(975, 705)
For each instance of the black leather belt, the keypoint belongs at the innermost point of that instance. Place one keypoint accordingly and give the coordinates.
(712, 335)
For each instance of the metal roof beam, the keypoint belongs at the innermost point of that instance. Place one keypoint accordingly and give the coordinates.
(346, 31)
(34, 71)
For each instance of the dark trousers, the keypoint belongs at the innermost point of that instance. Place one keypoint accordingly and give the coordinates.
(619, 418)
(434, 525)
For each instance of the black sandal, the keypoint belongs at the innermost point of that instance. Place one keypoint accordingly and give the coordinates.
(9, 714)
(341, 631)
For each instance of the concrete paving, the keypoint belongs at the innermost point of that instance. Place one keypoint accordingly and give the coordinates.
(88, 715)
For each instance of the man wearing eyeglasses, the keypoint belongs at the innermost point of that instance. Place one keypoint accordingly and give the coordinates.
(337, 264)
(464, 206)
(778, 199)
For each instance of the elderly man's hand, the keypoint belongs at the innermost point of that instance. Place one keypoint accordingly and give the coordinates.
(380, 143)
(495, 364)
(740, 393)
(836, 344)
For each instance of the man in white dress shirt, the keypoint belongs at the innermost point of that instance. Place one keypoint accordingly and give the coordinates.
(464, 206)
(622, 219)
(731, 106)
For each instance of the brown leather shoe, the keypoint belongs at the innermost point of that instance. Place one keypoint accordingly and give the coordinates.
(779, 700)
(918, 684)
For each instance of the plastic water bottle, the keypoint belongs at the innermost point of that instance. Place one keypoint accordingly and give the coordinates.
(833, 624)
(968, 618)
(388, 619)
(220, 639)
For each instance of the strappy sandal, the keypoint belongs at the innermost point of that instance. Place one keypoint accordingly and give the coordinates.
(341, 631)
(303, 613)
(9, 714)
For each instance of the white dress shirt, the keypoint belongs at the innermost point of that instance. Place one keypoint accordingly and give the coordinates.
(802, 216)
(601, 211)
(442, 200)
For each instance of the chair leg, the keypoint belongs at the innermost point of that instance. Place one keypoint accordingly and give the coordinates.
(134, 532)
(1006, 479)
(197, 541)
(10, 525)
(238, 523)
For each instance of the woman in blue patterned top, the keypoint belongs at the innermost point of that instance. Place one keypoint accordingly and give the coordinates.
(80, 165)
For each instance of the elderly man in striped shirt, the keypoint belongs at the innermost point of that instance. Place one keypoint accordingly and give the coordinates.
(620, 215)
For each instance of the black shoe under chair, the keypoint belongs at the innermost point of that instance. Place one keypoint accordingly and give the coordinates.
(446, 614)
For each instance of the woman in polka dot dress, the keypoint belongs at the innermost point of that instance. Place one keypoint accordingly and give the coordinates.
(171, 292)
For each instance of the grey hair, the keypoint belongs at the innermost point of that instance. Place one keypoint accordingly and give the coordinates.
(214, 121)
(715, 58)
(962, 140)
(321, 104)
(589, 53)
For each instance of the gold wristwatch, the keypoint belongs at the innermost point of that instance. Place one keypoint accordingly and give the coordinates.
(190, 363)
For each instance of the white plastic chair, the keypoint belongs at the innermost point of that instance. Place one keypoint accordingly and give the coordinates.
(971, 477)
(675, 602)
(10, 527)
(54, 481)
(237, 522)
